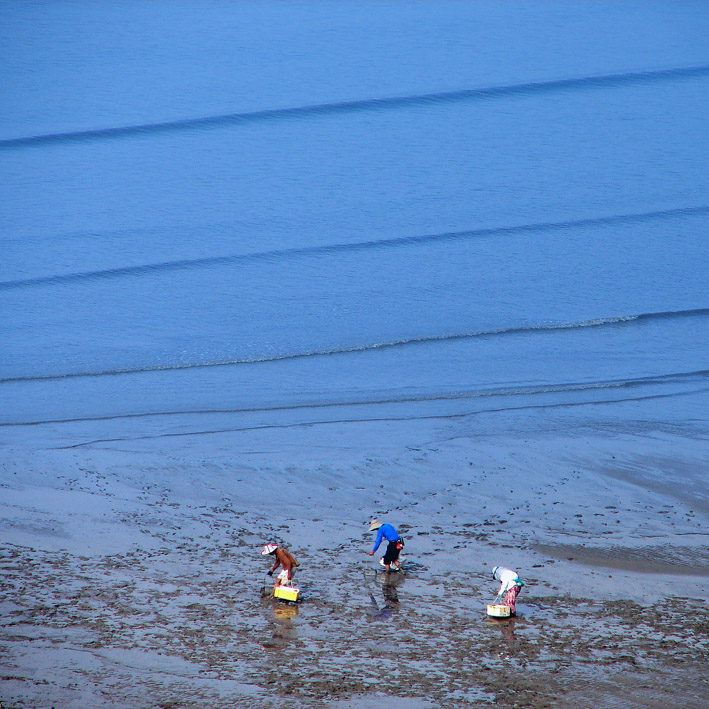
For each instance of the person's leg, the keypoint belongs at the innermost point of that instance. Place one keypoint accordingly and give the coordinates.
(397, 561)
(280, 579)
(390, 555)
(511, 598)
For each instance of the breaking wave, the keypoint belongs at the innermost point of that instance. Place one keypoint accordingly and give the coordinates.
(404, 342)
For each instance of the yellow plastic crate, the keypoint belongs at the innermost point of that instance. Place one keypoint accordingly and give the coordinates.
(287, 593)
(498, 610)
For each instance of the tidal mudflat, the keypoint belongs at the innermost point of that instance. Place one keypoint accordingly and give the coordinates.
(135, 579)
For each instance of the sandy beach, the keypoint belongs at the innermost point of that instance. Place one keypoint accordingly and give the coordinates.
(132, 578)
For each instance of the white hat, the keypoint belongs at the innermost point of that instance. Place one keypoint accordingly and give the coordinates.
(374, 524)
(269, 549)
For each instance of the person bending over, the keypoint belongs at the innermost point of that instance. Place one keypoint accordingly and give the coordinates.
(282, 558)
(510, 585)
(394, 546)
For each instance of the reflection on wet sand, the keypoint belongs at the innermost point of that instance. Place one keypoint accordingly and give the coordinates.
(284, 614)
(506, 626)
(508, 632)
(282, 627)
(390, 584)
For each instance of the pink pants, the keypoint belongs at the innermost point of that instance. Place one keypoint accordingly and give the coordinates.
(511, 597)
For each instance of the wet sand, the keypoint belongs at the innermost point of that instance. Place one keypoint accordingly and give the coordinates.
(132, 578)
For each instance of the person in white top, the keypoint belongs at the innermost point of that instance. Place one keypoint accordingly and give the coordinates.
(510, 585)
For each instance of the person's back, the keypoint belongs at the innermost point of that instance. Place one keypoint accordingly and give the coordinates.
(286, 559)
(507, 577)
(388, 532)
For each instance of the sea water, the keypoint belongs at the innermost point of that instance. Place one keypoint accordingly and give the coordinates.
(292, 209)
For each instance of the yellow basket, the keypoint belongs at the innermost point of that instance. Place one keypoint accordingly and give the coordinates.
(498, 610)
(287, 593)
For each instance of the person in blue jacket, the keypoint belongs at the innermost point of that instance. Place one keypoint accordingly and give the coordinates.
(394, 547)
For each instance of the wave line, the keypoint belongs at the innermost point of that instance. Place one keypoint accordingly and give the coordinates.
(166, 266)
(523, 329)
(510, 391)
(385, 419)
(368, 104)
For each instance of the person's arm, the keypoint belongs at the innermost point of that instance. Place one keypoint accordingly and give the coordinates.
(380, 536)
(276, 563)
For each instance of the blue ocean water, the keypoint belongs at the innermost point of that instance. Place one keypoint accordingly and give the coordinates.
(414, 208)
